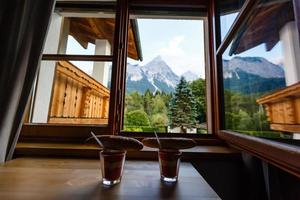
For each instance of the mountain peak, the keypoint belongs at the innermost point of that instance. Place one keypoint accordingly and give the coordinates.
(253, 65)
(158, 58)
(158, 70)
(157, 64)
(189, 76)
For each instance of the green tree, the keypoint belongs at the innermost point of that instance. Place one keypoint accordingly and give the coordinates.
(260, 122)
(147, 97)
(245, 121)
(182, 109)
(160, 119)
(134, 101)
(243, 113)
(159, 105)
(199, 91)
(136, 118)
(167, 98)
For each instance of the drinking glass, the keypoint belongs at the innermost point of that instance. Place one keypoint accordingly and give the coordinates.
(112, 163)
(169, 161)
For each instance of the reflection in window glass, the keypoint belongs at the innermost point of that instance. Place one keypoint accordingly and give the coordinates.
(228, 11)
(259, 60)
(226, 23)
(166, 91)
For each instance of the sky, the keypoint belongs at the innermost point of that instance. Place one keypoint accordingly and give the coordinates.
(73, 47)
(179, 42)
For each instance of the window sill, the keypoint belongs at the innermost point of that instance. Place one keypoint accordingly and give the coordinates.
(91, 151)
(70, 134)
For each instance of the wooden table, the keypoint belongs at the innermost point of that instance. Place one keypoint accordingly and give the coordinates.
(70, 179)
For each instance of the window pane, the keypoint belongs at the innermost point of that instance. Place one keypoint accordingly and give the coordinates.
(75, 92)
(81, 32)
(260, 60)
(228, 11)
(165, 92)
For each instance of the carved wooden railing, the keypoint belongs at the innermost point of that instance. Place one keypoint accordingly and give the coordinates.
(283, 108)
(77, 98)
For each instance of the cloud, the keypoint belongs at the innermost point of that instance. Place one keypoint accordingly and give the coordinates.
(277, 60)
(173, 48)
(176, 57)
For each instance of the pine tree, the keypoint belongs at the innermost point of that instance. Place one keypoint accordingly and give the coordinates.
(198, 89)
(182, 108)
(148, 104)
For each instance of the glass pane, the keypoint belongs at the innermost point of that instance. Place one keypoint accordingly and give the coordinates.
(165, 92)
(81, 32)
(228, 10)
(260, 60)
(75, 92)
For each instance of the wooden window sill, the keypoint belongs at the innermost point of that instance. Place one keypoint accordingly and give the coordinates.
(87, 150)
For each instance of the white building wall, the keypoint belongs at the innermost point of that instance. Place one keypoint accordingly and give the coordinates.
(290, 43)
(178, 130)
(47, 71)
(101, 69)
(291, 48)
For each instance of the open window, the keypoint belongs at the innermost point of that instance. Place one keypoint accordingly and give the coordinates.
(165, 91)
(79, 85)
(258, 77)
(74, 82)
(260, 60)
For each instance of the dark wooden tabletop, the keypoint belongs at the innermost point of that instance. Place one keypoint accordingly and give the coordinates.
(41, 178)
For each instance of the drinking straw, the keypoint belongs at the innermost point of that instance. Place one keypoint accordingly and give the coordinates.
(157, 139)
(98, 141)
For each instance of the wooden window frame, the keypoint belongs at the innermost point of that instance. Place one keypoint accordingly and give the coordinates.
(177, 7)
(282, 155)
(76, 133)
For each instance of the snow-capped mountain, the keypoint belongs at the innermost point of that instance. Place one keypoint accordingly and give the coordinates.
(155, 76)
(252, 75)
(158, 70)
(252, 65)
(189, 76)
(246, 75)
(134, 72)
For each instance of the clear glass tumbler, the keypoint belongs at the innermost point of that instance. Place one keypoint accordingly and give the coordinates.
(169, 161)
(112, 163)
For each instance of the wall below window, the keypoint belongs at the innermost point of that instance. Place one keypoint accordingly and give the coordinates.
(248, 178)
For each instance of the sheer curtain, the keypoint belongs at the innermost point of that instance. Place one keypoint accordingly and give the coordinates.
(24, 26)
(297, 13)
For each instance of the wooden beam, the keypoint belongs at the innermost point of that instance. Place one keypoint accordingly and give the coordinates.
(213, 89)
(62, 57)
(119, 63)
(101, 29)
(66, 120)
(171, 3)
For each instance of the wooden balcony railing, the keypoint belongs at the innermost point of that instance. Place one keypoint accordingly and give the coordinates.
(283, 108)
(77, 98)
